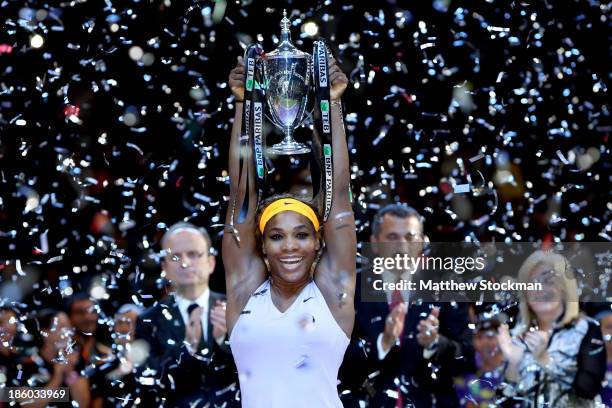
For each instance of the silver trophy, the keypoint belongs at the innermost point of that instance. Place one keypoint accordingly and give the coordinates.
(286, 77)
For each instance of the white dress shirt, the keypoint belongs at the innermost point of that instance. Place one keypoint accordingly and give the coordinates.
(202, 301)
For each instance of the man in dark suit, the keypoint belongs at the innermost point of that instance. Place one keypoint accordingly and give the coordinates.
(404, 351)
(189, 363)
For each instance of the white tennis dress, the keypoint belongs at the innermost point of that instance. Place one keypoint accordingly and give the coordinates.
(290, 359)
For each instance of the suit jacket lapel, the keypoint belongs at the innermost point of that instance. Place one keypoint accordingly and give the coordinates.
(177, 325)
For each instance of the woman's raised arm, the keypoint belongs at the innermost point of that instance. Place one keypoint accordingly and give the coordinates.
(335, 275)
(244, 268)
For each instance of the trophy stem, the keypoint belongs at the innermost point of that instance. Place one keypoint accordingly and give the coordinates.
(288, 146)
(288, 136)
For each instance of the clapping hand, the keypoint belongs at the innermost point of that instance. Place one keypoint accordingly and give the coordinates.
(193, 328)
(394, 325)
(512, 353)
(537, 343)
(217, 319)
(428, 328)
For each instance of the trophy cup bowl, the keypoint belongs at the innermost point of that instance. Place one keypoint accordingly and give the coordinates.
(287, 83)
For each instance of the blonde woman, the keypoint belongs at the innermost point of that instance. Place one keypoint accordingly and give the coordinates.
(555, 356)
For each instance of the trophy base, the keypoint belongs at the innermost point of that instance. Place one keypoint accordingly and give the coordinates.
(289, 148)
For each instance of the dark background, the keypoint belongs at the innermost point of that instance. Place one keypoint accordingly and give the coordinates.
(509, 97)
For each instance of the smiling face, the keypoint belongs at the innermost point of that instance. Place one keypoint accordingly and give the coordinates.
(187, 262)
(550, 299)
(59, 333)
(290, 245)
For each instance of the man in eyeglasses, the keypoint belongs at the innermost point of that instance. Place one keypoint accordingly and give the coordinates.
(404, 351)
(189, 362)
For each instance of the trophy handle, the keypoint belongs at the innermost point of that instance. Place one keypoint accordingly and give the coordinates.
(307, 114)
(270, 118)
(264, 86)
(310, 70)
(308, 117)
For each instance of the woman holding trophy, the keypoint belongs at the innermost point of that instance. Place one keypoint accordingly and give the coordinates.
(290, 276)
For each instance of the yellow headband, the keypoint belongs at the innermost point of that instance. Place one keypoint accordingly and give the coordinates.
(287, 204)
